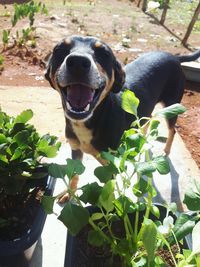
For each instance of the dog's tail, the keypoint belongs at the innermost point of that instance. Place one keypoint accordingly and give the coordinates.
(190, 57)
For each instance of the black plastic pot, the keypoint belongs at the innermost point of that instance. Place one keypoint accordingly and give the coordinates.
(80, 253)
(18, 249)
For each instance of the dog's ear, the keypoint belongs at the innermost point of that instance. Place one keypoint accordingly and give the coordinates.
(119, 76)
(47, 73)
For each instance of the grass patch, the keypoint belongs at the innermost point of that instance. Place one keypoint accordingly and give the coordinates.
(181, 12)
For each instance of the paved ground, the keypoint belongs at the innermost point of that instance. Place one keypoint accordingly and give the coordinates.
(48, 117)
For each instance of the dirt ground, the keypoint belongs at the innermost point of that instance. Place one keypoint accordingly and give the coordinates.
(122, 25)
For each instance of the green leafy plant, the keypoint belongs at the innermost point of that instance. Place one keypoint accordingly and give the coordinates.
(7, 14)
(22, 11)
(1, 62)
(124, 195)
(5, 38)
(26, 37)
(21, 151)
(28, 10)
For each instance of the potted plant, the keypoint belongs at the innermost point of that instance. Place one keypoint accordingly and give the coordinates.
(23, 179)
(122, 226)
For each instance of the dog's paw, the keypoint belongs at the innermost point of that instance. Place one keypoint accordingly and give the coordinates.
(64, 197)
(166, 151)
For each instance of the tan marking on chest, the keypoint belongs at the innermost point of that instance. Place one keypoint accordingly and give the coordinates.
(84, 136)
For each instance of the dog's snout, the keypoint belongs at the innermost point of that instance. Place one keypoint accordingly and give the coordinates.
(77, 63)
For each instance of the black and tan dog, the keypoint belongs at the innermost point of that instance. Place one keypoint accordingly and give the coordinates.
(90, 81)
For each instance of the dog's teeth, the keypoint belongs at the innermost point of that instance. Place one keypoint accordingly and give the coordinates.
(87, 108)
(69, 106)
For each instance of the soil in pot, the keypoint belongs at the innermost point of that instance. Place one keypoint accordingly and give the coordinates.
(17, 212)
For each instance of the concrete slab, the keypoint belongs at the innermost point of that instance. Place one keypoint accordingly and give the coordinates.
(192, 70)
(48, 117)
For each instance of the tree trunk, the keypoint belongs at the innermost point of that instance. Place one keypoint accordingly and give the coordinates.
(191, 25)
(138, 3)
(144, 5)
(164, 13)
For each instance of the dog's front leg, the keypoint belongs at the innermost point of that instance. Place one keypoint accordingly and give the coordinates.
(76, 154)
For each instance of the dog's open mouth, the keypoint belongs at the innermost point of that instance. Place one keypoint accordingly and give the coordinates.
(79, 99)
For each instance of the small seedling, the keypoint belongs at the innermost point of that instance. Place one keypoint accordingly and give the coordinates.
(7, 14)
(5, 38)
(27, 10)
(1, 63)
(22, 11)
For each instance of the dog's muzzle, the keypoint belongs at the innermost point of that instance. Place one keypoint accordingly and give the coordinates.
(79, 100)
(83, 87)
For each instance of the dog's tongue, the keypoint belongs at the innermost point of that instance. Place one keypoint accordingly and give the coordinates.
(79, 96)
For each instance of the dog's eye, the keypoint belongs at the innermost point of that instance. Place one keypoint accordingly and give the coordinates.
(61, 51)
(102, 51)
(104, 57)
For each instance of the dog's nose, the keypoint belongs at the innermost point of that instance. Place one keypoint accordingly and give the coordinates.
(77, 63)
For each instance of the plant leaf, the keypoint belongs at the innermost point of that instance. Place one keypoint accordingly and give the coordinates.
(46, 148)
(107, 196)
(56, 170)
(135, 141)
(111, 158)
(48, 151)
(17, 154)
(21, 138)
(183, 226)
(3, 139)
(105, 173)
(149, 234)
(74, 217)
(140, 188)
(192, 196)
(161, 164)
(96, 216)
(95, 238)
(130, 102)
(145, 168)
(171, 111)
(24, 117)
(91, 193)
(122, 247)
(47, 203)
(195, 239)
(155, 211)
(123, 205)
(74, 167)
(3, 158)
(154, 123)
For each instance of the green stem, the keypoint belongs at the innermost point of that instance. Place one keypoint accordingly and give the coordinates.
(118, 189)
(136, 226)
(128, 234)
(108, 225)
(169, 248)
(149, 197)
(177, 244)
(96, 228)
(136, 216)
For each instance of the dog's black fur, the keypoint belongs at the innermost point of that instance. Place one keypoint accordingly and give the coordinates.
(90, 81)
